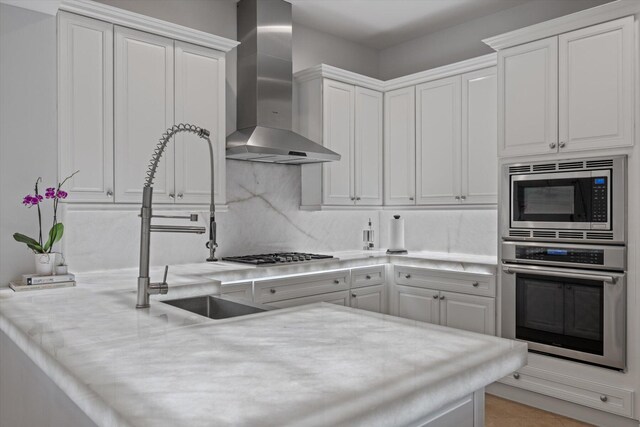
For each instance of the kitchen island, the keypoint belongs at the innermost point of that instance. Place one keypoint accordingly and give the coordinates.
(316, 364)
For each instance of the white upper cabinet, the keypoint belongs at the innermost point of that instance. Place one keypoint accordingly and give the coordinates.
(571, 92)
(85, 107)
(528, 98)
(368, 147)
(144, 109)
(438, 141)
(338, 135)
(596, 86)
(400, 147)
(479, 136)
(347, 119)
(199, 100)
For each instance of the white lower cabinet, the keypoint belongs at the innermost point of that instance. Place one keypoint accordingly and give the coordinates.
(238, 289)
(274, 291)
(426, 295)
(369, 298)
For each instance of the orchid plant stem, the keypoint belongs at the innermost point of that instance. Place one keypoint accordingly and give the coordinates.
(39, 213)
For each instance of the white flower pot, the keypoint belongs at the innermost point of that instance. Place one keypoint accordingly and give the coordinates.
(45, 264)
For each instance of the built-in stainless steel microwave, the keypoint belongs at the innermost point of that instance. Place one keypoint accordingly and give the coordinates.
(573, 200)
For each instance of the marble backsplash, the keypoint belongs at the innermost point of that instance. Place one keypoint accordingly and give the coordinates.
(263, 216)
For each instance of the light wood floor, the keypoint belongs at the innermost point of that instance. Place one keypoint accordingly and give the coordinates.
(505, 413)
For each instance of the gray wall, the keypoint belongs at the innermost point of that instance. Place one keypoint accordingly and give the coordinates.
(28, 127)
(464, 41)
(311, 47)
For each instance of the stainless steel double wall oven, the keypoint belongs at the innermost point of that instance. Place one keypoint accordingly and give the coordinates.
(564, 258)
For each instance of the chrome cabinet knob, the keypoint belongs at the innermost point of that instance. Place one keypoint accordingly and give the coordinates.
(552, 145)
(367, 277)
(435, 297)
(109, 193)
(352, 199)
(357, 198)
(353, 295)
(336, 281)
(604, 398)
(172, 196)
(516, 375)
(475, 284)
(463, 197)
(273, 291)
(457, 197)
(410, 198)
(180, 196)
(562, 144)
(407, 276)
(442, 297)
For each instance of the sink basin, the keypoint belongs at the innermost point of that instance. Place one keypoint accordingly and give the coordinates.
(215, 307)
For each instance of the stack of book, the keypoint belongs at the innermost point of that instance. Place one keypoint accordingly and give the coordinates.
(31, 282)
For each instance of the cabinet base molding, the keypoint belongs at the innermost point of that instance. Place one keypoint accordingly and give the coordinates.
(559, 406)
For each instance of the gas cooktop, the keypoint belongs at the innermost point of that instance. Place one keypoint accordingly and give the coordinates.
(277, 258)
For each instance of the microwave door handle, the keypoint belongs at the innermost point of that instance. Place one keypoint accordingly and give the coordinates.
(604, 278)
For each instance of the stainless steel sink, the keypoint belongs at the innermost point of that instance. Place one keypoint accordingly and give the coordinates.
(216, 307)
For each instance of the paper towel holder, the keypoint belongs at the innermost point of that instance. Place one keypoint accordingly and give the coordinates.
(397, 251)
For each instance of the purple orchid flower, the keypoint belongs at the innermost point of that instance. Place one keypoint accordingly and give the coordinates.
(50, 193)
(61, 194)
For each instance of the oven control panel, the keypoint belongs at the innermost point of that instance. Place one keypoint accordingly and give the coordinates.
(549, 253)
(599, 199)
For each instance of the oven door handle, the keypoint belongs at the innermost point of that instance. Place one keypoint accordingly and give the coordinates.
(608, 279)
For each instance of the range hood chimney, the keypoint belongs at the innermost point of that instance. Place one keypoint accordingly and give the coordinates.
(265, 83)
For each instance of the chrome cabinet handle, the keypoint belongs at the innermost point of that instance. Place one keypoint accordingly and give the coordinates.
(535, 271)
(172, 196)
(109, 193)
(273, 291)
(442, 297)
(475, 284)
(367, 277)
(336, 281)
(407, 276)
(552, 145)
(604, 398)
(180, 196)
(516, 375)
(562, 144)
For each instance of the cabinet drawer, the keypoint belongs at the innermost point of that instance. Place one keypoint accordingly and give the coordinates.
(599, 396)
(300, 286)
(339, 298)
(368, 276)
(238, 289)
(453, 281)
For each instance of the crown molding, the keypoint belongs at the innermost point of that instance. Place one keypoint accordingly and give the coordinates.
(349, 77)
(335, 73)
(484, 61)
(140, 22)
(564, 24)
(49, 7)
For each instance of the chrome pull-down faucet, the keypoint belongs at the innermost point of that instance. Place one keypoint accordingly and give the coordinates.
(145, 287)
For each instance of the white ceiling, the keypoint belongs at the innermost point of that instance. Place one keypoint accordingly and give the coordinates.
(383, 23)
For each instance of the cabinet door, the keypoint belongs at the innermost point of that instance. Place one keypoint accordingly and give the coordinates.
(415, 303)
(339, 298)
(368, 147)
(468, 312)
(400, 147)
(143, 112)
(200, 100)
(370, 298)
(528, 98)
(480, 136)
(438, 141)
(85, 112)
(596, 86)
(238, 289)
(338, 135)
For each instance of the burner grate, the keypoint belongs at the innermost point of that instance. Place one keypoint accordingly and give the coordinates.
(277, 258)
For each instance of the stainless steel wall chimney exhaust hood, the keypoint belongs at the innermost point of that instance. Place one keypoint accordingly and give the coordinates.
(265, 83)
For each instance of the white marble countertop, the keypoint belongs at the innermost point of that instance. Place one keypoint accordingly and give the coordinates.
(312, 365)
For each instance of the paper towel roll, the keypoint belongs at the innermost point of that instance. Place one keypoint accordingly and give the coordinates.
(396, 234)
